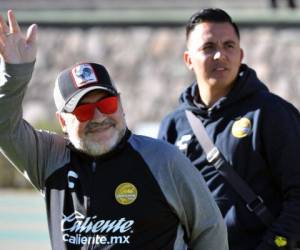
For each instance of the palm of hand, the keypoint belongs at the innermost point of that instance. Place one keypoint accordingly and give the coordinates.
(15, 47)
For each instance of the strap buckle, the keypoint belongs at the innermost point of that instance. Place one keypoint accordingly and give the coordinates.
(255, 204)
(213, 155)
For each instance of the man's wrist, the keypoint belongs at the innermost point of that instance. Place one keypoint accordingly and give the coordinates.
(21, 69)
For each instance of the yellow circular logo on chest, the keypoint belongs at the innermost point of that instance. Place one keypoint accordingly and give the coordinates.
(241, 128)
(280, 241)
(126, 193)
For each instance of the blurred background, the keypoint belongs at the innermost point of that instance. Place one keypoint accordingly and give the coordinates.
(141, 42)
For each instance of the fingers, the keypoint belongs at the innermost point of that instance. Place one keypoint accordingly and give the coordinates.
(14, 46)
(13, 24)
(3, 26)
(31, 34)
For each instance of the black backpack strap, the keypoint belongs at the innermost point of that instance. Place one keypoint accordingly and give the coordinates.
(254, 202)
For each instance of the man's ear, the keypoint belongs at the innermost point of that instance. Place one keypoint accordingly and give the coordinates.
(61, 121)
(242, 55)
(187, 60)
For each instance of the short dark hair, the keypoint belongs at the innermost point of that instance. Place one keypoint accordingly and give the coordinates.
(210, 15)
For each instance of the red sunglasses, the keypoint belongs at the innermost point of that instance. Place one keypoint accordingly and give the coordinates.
(85, 112)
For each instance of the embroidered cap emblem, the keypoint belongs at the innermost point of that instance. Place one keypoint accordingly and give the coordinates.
(126, 193)
(241, 128)
(83, 74)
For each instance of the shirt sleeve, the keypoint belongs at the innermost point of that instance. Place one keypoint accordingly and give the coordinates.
(189, 197)
(187, 194)
(31, 151)
(195, 206)
(281, 133)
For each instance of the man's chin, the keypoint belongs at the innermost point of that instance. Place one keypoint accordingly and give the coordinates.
(99, 145)
(96, 149)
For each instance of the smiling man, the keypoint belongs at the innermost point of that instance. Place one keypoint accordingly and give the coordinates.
(247, 129)
(104, 187)
(81, 106)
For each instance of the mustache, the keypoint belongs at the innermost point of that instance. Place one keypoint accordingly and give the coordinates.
(220, 65)
(95, 125)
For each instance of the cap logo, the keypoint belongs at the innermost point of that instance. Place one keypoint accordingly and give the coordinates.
(83, 74)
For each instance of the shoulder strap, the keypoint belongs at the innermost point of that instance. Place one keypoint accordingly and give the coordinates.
(254, 202)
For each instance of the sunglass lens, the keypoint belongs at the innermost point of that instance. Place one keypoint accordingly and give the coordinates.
(84, 112)
(108, 105)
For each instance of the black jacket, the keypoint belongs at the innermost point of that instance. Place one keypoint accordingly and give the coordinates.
(142, 195)
(259, 135)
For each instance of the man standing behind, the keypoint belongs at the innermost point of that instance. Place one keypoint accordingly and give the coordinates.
(104, 187)
(257, 132)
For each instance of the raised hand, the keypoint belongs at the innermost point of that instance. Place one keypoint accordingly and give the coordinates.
(16, 47)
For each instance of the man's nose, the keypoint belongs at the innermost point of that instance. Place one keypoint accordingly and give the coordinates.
(218, 54)
(98, 114)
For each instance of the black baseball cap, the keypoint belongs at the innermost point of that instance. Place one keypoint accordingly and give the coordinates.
(75, 82)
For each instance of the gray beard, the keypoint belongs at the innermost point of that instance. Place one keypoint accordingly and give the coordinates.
(94, 148)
